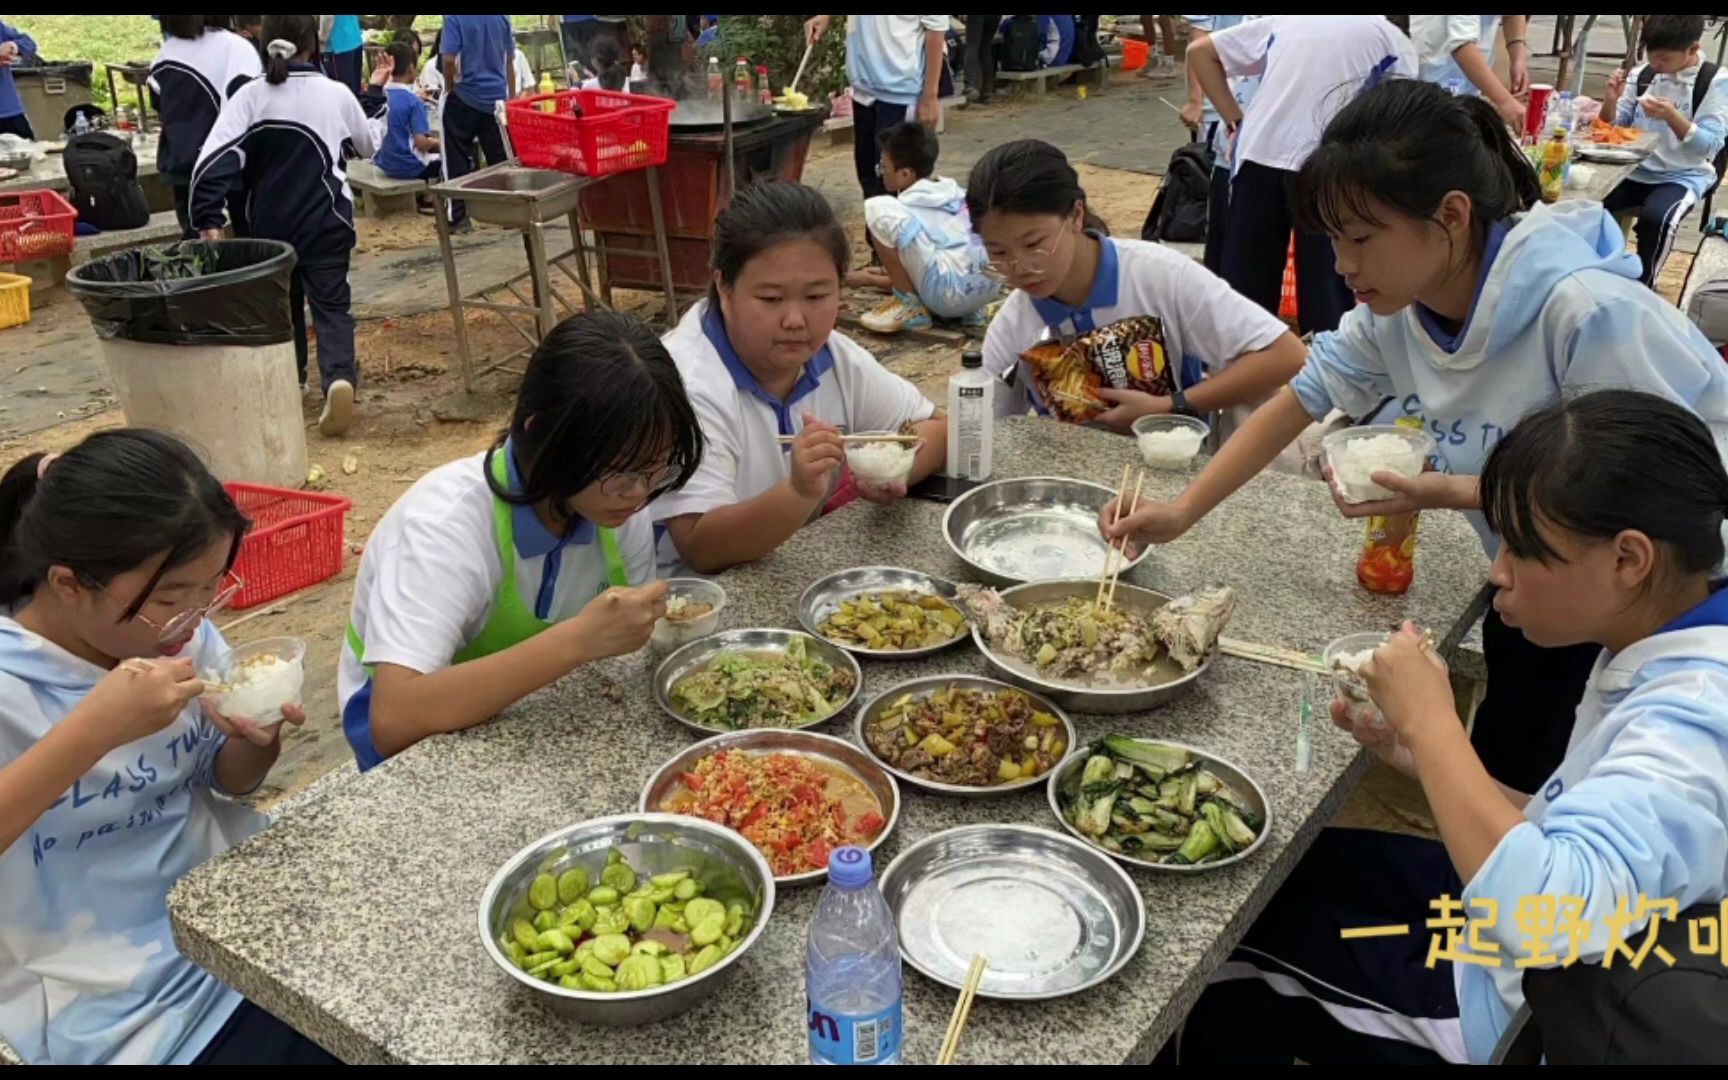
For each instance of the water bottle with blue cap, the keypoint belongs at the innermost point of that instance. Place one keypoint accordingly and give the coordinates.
(852, 968)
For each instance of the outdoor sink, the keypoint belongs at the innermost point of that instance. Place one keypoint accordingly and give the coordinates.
(511, 195)
(512, 180)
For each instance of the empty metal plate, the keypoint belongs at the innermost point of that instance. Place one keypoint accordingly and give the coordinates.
(1051, 916)
(1038, 528)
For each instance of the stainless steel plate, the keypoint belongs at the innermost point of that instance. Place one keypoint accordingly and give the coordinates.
(824, 597)
(1079, 697)
(835, 753)
(1065, 779)
(926, 686)
(1052, 916)
(698, 653)
(1037, 528)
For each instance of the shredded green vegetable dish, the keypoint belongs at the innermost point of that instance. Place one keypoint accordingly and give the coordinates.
(788, 689)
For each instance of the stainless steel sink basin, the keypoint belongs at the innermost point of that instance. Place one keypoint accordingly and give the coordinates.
(512, 179)
(510, 194)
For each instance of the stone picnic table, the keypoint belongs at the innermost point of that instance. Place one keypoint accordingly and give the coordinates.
(354, 917)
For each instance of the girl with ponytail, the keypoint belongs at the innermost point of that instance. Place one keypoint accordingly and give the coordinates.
(1474, 305)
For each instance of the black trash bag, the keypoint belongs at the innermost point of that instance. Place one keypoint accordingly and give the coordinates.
(196, 292)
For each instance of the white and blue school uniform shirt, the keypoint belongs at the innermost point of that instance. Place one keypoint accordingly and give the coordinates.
(1242, 88)
(288, 142)
(1438, 37)
(1205, 323)
(190, 81)
(741, 422)
(885, 56)
(1559, 308)
(1310, 66)
(406, 117)
(89, 973)
(1690, 162)
(1638, 807)
(432, 571)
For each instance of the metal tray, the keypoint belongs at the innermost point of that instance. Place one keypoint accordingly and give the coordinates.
(1038, 528)
(820, 600)
(1066, 776)
(925, 686)
(696, 654)
(825, 748)
(1052, 916)
(1095, 700)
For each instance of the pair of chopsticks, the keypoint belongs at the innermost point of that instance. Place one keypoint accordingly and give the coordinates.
(1117, 555)
(788, 440)
(962, 1010)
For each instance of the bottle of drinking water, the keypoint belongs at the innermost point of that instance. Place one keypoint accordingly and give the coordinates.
(1565, 112)
(852, 969)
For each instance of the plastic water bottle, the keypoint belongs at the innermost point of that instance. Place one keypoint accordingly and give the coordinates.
(852, 969)
(1565, 112)
(1454, 86)
(971, 418)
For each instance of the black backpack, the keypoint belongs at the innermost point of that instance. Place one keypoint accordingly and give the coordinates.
(1653, 1014)
(1700, 87)
(103, 171)
(1179, 210)
(1021, 44)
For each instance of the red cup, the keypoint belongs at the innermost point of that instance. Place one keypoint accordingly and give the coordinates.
(1535, 119)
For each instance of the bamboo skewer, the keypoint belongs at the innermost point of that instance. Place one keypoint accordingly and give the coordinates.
(1104, 575)
(962, 1010)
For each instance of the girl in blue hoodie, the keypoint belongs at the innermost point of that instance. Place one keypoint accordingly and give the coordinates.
(114, 780)
(1474, 305)
(1609, 507)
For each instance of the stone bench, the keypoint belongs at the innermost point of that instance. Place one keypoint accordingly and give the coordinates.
(380, 195)
(1039, 80)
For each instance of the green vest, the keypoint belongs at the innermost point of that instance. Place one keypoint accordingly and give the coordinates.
(512, 620)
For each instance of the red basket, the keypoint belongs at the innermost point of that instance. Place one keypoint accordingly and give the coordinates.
(35, 225)
(614, 134)
(296, 540)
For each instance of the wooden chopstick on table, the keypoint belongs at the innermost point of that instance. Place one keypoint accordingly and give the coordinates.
(962, 1010)
(788, 440)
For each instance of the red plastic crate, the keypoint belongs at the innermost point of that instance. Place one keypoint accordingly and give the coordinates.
(614, 134)
(35, 225)
(297, 539)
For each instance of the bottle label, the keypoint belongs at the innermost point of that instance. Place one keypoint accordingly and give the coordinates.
(855, 1040)
(970, 391)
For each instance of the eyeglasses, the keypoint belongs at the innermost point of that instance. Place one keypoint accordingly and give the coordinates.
(625, 484)
(177, 626)
(1033, 262)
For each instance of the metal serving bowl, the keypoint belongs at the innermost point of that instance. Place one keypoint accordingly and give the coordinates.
(926, 686)
(1065, 779)
(1037, 528)
(652, 844)
(696, 655)
(1052, 916)
(1087, 699)
(830, 751)
(824, 597)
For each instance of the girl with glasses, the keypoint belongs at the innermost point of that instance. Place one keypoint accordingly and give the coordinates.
(1217, 349)
(496, 575)
(116, 782)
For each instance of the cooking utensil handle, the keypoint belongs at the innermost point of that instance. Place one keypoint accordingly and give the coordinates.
(799, 74)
